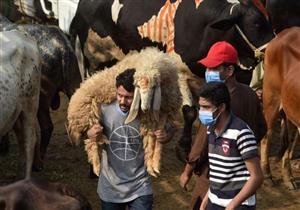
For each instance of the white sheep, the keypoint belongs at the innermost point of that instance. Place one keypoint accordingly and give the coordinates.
(157, 99)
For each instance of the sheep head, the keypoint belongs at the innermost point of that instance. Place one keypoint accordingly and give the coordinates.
(147, 95)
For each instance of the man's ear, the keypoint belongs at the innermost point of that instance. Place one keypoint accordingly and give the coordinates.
(230, 70)
(222, 107)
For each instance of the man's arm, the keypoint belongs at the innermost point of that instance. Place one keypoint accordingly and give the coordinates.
(204, 202)
(94, 131)
(166, 134)
(253, 183)
(186, 176)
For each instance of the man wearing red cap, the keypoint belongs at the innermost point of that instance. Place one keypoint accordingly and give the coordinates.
(221, 63)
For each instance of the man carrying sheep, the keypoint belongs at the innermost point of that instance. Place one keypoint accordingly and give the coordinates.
(221, 64)
(124, 180)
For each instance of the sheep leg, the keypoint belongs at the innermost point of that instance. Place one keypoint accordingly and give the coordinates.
(158, 147)
(149, 144)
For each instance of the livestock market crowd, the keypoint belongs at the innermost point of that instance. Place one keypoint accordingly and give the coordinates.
(222, 73)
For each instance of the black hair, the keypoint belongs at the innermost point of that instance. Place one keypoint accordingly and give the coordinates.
(126, 80)
(235, 66)
(217, 93)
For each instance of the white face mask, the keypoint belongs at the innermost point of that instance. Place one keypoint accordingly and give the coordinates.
(213, 76)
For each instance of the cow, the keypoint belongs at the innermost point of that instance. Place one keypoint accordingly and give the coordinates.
(281, 87)
(20, 72)
(37, 194)
(176, 26)
(60, 72)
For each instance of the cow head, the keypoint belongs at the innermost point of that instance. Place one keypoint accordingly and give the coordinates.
(283, 14)
(250, 29)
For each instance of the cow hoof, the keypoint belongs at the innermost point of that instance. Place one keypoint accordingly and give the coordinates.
(291, 185)
(269, 182)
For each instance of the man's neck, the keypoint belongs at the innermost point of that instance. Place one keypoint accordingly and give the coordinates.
(231, 83)
(222, 121)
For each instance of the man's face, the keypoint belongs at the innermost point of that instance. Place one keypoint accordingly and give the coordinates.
(206, 105)
(124, 98)
(225, 72)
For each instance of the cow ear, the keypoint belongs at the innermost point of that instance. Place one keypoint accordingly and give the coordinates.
(225, 23)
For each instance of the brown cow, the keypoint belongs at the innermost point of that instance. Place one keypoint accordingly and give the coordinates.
(33, 194)
(281, 90)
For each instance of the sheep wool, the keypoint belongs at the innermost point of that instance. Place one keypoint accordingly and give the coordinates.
(157, 100)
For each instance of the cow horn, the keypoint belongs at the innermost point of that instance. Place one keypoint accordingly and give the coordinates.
(135, 106)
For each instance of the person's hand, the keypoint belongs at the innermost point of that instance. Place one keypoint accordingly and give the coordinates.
(184, 180)
(203, 206)
(230, 207)
(161, 136)
(94, 131)
(259, 93)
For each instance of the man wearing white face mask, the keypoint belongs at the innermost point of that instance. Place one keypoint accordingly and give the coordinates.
(234, 169)
(221, 63)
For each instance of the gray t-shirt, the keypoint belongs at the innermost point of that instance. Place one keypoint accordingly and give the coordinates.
(123, 175)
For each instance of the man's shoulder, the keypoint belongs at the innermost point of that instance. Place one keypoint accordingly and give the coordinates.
(108, 107)
(243, 88)
(237, 123)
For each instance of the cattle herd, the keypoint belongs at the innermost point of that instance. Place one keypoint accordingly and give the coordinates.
(37, 61)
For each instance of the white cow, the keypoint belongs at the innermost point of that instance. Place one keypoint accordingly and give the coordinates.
(19, 92)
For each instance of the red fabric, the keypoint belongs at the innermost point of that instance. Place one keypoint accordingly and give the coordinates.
(219, 53)
(261, 7)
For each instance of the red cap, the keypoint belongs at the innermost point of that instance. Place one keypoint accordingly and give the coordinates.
(219, 53)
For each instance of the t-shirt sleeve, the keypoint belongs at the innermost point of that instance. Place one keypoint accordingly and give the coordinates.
(246, 143)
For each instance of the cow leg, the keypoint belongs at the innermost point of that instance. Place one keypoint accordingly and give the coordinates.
(271, 106)
(46, 124)
(286, 169)
(4, 144)
(21, 144)
(37, 161)
(296, 139)
(184, 144)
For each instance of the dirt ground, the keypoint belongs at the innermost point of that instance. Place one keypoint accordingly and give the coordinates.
(66, 164)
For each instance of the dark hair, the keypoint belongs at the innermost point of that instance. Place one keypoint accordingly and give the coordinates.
(126, 80)
(217, 93)
(235, 66)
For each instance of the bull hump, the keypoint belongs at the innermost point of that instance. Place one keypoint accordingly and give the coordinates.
(160, 28)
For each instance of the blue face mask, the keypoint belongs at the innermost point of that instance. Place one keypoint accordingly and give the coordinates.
(213, 76)
(207, 118)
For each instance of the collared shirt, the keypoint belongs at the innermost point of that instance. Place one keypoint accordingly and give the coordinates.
(227, 154)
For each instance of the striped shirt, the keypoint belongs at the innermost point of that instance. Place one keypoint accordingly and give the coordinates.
(227, 170)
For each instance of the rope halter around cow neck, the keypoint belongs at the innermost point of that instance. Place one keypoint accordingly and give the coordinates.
(258, 52)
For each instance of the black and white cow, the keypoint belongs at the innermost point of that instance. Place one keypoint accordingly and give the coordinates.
(187, 28)
(20, 75)
(59, 68)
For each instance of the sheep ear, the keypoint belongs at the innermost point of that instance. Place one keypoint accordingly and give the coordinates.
(135, 106)
(156, 103)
